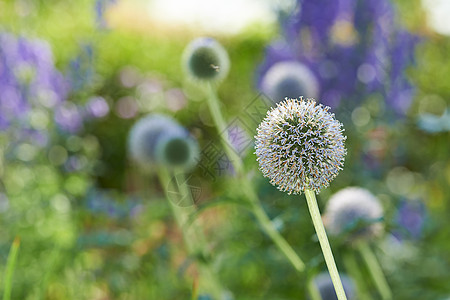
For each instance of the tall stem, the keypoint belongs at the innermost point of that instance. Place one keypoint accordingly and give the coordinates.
(375, 270)
(258, 211)
(192, 233)
(219, 122)
(279, 241)
(324, 244)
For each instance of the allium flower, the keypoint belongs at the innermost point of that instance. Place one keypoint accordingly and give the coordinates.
(300, 145)
(145, 133)
(177, 149)
(325, 286)
(289, 79)
(205, 59)
(158, 139)
(356, 211)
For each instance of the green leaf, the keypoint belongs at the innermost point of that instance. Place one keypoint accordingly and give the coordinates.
(10, 265)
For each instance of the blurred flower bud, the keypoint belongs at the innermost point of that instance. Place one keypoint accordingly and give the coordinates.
(289, 79)
(205, 59)
(158, 139)
(355, 211)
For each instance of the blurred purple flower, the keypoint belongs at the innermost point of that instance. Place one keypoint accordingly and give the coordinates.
(353, 47)
(100, 7)
(402, 55)
(68, 117)
(99, 201)
(27, 78)
(81, 70)
(97, 107)
(37, 137)
(410, 219)
(240, 141)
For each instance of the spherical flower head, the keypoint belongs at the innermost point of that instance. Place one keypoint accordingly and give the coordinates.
(326, 289)
(289, 79)
(300, 145)
(355, 211)
(205, 59)
(177, 149)
(158, 139)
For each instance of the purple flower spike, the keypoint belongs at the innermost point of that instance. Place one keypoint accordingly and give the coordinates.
(354, 47)
(27, 78)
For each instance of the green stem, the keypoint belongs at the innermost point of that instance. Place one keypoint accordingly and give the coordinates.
(258, 211)
(213, 104)
(10, 265)
(279, 241)
(192, 233)
(352, 268)
(324, 244)
(375, 270)
(194, 293)
(313, 291)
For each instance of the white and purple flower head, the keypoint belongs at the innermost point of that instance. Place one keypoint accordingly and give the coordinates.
(300, 145)
(326, 289)
(159, 140)
(289, 79)
(205, 59)
(354, 211)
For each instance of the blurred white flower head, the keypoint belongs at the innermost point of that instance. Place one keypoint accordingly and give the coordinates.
(289, 79)
(355, 211)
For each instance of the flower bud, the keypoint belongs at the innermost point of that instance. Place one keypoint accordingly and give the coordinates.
(205, 59)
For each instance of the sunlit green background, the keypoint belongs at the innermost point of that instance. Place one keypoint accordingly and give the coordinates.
(132, 249)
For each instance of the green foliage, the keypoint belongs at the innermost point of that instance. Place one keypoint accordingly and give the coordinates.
(129, 247)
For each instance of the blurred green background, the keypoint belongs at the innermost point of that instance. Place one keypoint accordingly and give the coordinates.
(103, 229)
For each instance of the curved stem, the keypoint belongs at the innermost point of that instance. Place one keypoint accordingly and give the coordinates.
(324, 244)
(258, 211)
(276, 237)
(192, 233)
(375, 270)
(213, 105)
